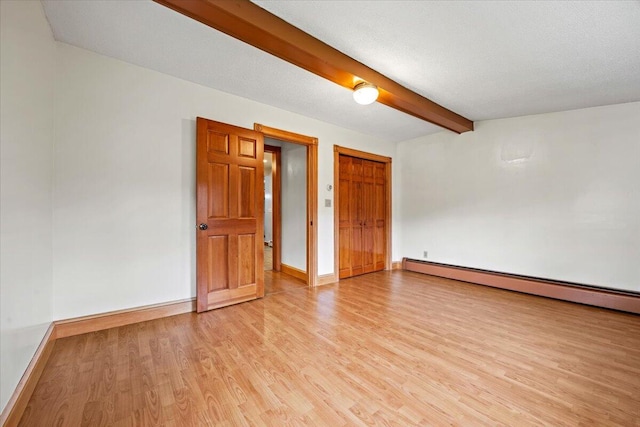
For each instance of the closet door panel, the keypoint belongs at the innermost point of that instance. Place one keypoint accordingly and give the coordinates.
(357, 217)
(361, 216)
(379, 216)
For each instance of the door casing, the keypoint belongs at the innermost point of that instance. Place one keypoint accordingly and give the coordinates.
(276, 203)
(312, 192)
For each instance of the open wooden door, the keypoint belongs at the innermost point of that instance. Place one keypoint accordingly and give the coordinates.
(230, 212)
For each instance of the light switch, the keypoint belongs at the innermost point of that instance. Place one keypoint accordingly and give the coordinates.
(327, 203)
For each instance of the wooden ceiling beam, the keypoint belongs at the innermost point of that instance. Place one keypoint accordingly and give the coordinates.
(251, 24)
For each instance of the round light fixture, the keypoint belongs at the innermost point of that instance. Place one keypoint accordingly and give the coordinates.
(365, 93)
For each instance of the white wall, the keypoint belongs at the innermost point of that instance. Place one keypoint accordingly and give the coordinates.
(553, 195)
(294, 205)
(124, 180)
(27, 52)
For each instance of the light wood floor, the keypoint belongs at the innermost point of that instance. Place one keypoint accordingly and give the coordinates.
(268, 258)
(390, 348)
(276, 282)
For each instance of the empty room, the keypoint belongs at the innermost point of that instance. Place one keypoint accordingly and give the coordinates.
(325, 213)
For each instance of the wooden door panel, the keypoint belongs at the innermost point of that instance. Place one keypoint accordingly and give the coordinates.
(355, 209)
(344, 208)
(356, 251)
(368, 246)
(368, 205)
(368, 170)
(218, 191)
(217, 142)
(379, 216)
(379, 203)
(246, 259)
(356, 169)
(246, 192)
(357, 217)
(225, 297)
(229, 254)
(356, 193)
(368, 202)
(361, 216)
(344, 267)
(344, 217)
(218, 260)
(380, 246)
(248, 148)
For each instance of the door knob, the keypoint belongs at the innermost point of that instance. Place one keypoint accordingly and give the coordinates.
(203, 226)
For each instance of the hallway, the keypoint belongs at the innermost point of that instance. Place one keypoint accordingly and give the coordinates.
(275, 281)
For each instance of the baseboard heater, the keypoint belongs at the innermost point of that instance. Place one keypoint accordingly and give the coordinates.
(584, 294)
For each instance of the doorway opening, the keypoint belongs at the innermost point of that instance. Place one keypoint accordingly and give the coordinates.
(290, 236)
(272, 207)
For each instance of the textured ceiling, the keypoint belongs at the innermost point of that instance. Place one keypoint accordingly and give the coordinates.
(487, 59)
(483, 60)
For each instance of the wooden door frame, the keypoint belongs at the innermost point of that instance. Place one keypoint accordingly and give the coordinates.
(337, 151)
(312, 192)
(276, 203)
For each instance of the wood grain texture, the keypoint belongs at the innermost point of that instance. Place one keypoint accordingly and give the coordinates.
(361, 154)
(229, 240)
(276, 282)
(295, 272)
(617, 300)
(15, 407)
(276, 188)
(285, 135)
(388, 348)
(114, 319)
(251, 24)
(362, 212)
(312, 191)
(327, 279)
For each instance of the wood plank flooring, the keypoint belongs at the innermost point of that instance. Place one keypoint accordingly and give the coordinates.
(276, 282)
(389, 349)
(268, 258)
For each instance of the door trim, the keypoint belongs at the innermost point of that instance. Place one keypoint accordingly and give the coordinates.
(337, 151)
(312, 191)
(276, 204)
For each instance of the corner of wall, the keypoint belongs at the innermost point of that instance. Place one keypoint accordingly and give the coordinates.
(26, 93)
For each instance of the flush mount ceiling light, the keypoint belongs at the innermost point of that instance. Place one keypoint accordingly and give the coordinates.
(249, 23)
(365, 93)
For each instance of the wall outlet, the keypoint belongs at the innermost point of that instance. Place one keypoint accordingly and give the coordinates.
(424, 254)
(327, 203)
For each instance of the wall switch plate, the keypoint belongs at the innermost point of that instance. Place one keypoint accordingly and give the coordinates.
(424, 255)
(327, 203)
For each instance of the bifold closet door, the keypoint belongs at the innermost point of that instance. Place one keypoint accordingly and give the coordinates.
(361, 216)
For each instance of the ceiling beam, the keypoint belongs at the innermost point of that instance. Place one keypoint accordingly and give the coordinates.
(251, 24)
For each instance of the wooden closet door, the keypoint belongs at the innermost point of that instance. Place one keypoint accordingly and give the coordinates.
(368, 217)
(379, 216)
(361, 216)
(357, 216)
(344, 217)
